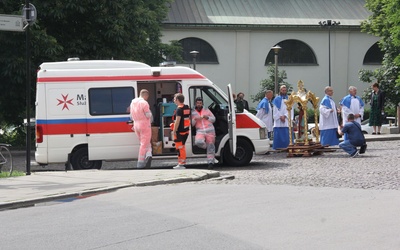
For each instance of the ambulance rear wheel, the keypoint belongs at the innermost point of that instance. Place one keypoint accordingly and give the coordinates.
(80, 160)
(244, 153)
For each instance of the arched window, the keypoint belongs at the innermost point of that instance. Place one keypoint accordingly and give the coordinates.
(293, 52)
(374, 55)
(206, 51)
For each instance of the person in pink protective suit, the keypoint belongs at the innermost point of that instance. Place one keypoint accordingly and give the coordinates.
(142, 118)
(203, 119)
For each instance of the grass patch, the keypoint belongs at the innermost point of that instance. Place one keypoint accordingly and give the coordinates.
(14, 174)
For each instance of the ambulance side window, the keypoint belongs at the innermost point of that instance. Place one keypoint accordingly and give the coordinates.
(217, 104)
(110, 101)
(211, 98)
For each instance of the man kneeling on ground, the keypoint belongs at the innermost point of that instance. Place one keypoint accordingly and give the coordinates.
(354, 136)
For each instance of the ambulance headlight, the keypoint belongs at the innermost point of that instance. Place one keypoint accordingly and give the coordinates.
(263, 133)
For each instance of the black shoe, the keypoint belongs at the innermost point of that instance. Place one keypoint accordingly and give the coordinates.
(210, 166)
(147, 162)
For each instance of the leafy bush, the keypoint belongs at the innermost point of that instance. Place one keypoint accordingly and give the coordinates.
(269, 83)
(16, 136)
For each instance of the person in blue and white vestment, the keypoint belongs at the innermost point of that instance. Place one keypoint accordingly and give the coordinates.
(281, 120)
(352, 104)
(328, 122)
(264, 111)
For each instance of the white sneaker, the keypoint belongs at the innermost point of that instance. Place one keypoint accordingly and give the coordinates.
(355, 154)
(179, 167)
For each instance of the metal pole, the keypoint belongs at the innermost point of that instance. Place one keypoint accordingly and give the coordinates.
(28, 93)
(398, 117)
(194, 62)
(276, 73)
(329, 24)
(329, 53)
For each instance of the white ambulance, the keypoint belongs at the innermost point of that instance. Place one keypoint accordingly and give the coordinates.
(82, 114)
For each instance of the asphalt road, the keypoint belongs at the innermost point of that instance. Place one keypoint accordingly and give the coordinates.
(211, 216)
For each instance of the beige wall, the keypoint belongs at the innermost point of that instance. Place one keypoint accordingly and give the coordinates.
(241, 55)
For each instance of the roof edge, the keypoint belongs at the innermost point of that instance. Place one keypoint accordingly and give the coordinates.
(254, 26)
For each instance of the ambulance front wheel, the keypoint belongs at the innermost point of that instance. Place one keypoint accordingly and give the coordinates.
(244, 153)
(80, 160)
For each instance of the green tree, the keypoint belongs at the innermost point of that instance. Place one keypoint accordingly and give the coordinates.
(384, 22)
(88, 29)
(269, 83)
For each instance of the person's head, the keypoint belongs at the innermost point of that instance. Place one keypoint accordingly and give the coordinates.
(199, 103)
(329, 91)
(352, 90)
(283, 90)
(179, 98)
(350, 117)
(375, 86)
(144, 93)
(240, 96)
(269, 94)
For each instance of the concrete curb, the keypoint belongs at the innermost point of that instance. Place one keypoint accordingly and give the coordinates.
(33, 201)
(382, 138)
(88, 192)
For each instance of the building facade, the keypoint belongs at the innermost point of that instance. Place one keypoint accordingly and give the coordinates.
(234, 40)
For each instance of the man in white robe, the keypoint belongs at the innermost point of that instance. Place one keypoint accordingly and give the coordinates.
(281, 120)
(264, 112)
(328, 121)
(352, 104)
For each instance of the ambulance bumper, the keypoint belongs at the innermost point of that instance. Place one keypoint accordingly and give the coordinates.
(261, 146)
(40, 157)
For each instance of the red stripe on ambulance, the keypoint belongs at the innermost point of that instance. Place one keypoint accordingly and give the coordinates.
(119, 78)
(244, 121)
(89, 128)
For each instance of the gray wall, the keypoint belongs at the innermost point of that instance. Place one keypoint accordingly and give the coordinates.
(242, 54)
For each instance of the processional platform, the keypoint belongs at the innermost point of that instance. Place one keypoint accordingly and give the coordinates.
(304, 146)
(299, 149)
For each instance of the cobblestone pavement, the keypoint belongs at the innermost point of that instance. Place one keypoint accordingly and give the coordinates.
(379, 168)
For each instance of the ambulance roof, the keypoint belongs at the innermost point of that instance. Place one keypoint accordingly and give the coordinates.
(94, 64)
(93, 69)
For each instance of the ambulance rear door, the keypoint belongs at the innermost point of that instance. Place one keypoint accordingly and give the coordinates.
(232, 121)
(64, 124)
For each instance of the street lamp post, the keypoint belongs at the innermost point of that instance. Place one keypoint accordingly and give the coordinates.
(329, 24)
(276, 49)
(194, 55)
(28, 87)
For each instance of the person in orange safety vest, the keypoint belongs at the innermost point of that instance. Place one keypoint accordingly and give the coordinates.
(180, 128)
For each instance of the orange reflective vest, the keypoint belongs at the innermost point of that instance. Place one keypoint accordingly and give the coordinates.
(184, 124)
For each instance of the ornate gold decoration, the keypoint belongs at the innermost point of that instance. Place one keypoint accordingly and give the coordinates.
(302, 98)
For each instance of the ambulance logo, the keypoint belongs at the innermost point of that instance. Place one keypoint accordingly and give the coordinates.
(65, 102)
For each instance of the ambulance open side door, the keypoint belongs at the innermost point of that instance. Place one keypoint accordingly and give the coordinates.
(232, 121)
